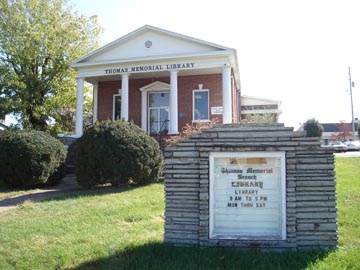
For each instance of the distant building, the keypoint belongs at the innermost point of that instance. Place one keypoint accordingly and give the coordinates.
(337, 131)
(253, 107)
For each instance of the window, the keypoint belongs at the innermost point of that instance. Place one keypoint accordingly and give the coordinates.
(158, 112)
(117, 107)
(201, 105)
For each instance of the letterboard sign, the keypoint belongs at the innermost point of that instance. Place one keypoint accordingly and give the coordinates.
(247, 195)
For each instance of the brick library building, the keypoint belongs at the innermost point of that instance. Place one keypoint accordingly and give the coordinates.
(163, 80)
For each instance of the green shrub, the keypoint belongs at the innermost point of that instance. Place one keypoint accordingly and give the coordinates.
(116, 152)
(313, 128)
(30, 158)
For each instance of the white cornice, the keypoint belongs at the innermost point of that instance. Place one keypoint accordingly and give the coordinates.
(152, 58)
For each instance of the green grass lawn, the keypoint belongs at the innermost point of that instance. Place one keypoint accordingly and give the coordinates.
(124, 230)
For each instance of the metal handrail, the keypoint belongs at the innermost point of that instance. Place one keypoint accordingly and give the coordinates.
(161, 127)
(160, 134)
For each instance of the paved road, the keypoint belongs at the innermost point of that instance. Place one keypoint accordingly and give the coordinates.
(349, 154)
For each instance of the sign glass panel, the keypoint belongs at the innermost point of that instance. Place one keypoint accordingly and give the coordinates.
(247, 195)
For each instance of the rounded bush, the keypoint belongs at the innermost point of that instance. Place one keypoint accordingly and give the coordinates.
(313, 128)
(116, 152)
(30, 158)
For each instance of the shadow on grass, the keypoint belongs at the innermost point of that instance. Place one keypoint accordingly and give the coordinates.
(68, 189)
(162, 256)
(89, 193)
(102, 190)
(4, 188)
(57, 194)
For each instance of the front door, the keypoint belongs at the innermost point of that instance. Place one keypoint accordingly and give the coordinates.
(158, 112)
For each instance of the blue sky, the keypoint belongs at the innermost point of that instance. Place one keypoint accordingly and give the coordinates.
(294, 51)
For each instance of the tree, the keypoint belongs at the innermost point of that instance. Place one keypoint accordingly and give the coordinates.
(344, 131)
(65, 116)
(38, 41)
(313, 128)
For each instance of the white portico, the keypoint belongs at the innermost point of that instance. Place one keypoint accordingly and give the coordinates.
(160, 80)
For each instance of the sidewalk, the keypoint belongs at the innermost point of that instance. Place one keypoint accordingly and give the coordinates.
(68, 184)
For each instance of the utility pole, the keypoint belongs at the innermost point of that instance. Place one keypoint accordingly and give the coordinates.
(352, 107)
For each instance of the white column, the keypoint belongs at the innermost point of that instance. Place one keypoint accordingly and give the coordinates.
(226, 95)
(173, 103)
(95, 102)
(125, 97)
(144, 110)
(79, 107)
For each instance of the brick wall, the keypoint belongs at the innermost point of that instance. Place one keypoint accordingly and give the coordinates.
(186, 85)
(106, 90)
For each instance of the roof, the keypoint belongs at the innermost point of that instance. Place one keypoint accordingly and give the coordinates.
(335, 127)
(251, 100)
(141, 31)
(164, 46)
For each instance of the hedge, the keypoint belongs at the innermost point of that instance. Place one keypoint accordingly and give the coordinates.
(30, 158)
(117, 152)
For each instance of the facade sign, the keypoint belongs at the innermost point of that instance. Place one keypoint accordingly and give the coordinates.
(147, 68)
(247, 195)
(217, 110)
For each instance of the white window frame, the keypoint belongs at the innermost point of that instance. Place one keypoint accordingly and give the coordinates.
(113, 109)
(156, 86)
(193, 105)
(159, 107)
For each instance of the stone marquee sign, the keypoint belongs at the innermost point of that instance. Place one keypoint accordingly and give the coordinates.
(261, 186)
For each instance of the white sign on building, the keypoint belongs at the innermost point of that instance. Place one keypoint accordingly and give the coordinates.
(217, 110)
(247, 195)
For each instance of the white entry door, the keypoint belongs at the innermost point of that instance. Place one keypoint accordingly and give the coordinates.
(158, 112)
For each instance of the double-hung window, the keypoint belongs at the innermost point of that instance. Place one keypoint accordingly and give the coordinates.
(201, 105)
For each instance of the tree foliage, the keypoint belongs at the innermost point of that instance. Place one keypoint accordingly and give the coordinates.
(313, 128)
(38, 41)
(345, 130)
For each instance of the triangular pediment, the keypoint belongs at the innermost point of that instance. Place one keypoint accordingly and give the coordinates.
(149, 42)
(156, 86)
